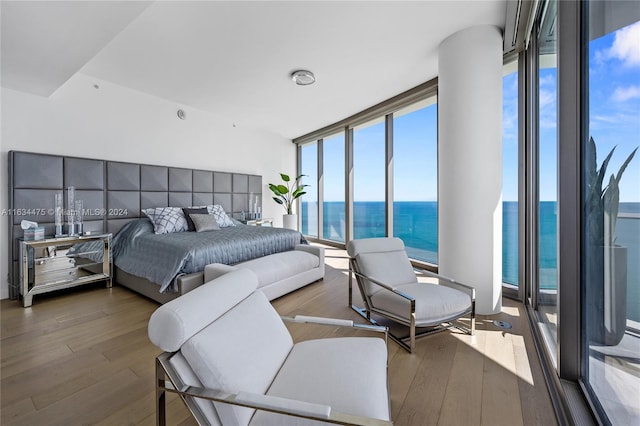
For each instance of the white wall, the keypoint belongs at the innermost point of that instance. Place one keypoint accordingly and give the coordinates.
(116, 123)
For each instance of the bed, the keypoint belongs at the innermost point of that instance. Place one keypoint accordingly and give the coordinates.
(164, 266)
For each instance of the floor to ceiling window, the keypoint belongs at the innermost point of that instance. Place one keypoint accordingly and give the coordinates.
(309, 163)
(333, 226)
(369, 181)
(547, 185)
(510, 173)
(415, 180)
(376, 176)
(611, 216)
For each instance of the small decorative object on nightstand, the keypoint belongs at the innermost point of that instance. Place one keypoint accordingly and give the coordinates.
(57, 263)
(258, 222)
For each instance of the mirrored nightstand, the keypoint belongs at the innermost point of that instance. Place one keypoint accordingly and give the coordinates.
(57, 263)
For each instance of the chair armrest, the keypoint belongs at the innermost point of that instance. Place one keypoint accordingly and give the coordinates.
(373, 280)
(335, 322)
(279, 405)
(450, 282)
(471, 291)
(275, 403)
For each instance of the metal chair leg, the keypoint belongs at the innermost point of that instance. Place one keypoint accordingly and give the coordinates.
(412, 333)
(473, 317)
(161, 396)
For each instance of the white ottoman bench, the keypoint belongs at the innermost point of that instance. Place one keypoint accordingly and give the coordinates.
(279, 273)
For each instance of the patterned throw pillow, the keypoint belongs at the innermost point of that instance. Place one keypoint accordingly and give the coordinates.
(167, 219)
(204, 222)
(221, 217)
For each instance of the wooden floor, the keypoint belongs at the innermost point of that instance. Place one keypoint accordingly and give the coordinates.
(82, 357)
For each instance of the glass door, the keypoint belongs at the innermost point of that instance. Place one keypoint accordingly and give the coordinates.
(309, 204)
(369, 185)
(611, 215)
(546, 285)
(510, 179)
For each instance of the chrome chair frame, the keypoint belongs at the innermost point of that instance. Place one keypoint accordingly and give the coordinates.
(366, 311)
(167, 380)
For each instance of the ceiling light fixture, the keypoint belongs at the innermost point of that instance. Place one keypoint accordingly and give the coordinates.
(303, 77)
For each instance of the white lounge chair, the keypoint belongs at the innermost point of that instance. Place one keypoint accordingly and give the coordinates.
(232, 360)
(389, 287)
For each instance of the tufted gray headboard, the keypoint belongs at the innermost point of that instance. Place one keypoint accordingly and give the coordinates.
(114, 193)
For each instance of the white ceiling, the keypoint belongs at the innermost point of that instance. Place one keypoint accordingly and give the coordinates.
(233, 59)
(45, 43)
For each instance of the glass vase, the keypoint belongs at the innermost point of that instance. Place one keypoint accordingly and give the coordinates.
(59, 213)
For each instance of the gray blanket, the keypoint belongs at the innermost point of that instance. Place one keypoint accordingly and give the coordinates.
(161, 258)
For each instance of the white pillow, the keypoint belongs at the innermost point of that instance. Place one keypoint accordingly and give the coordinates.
(218, 212)
(167, 219)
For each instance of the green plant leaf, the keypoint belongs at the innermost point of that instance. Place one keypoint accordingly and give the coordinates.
(591, 164)
(283, 189)
(274, 189)
(299, 191)
(285, 177)
(603, 169)
(611, 202)
(278, 200)
(625, 164)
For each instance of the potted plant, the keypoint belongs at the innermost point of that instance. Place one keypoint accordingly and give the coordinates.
(606, 261)
(285, 195)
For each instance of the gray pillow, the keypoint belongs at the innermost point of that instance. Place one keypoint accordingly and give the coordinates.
(193, 210)
(204, 222)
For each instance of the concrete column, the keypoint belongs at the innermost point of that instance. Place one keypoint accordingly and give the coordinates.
(470, 162)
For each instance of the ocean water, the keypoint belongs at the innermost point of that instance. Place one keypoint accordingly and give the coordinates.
(416, 222)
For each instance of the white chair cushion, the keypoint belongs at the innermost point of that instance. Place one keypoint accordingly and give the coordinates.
(347, 373)
(176, 321)
(241, 351)
(383, 259)
(434, 303)
(279, 266)
(374, 245)
(391, 268)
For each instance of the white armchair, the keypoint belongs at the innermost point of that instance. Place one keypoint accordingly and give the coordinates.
(233, 362)
(389, 287)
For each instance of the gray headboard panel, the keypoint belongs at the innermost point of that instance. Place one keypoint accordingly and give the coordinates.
(113, 192)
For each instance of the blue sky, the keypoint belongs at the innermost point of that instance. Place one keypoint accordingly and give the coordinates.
(614, 100)
(614, 103)
(415, 160)
(614, 115)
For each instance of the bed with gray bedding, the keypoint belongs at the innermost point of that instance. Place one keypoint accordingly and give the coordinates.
(165, 259)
